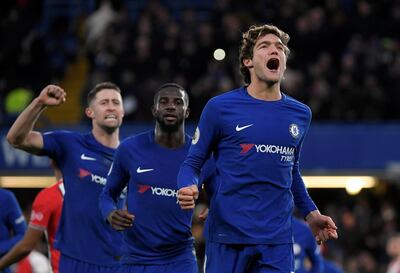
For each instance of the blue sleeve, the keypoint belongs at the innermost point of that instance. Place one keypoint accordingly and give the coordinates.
(53, 143)
(208, 177)
(301, 197)
(15, 221)
(314, 254)
(202, 145)
(208, 172)
(117, 179)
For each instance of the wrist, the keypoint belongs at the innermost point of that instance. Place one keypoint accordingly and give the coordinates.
(37, 102)
(312, 214)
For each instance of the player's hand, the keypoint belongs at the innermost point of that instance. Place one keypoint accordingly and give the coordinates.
(52, 95)
(121, 219)
(203, 214)
(187, 197)
(322, 227)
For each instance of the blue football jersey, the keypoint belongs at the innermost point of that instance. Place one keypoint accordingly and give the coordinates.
(84, 162)
(256, 146)
(161, 231)
(12, 223)
(305, 247)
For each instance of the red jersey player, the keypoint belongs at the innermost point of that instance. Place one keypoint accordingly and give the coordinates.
(46, 212)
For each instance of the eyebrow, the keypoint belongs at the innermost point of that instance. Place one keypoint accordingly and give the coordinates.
(108, 99)
(269, 43)
(167, 98)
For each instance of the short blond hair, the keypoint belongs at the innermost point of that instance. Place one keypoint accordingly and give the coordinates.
(101, 86)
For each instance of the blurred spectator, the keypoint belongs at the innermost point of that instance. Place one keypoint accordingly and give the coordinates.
(393, 250)
(98, 22)
(331, 267)
(61, 45)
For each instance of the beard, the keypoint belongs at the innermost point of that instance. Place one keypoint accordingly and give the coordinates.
(169, 127)
(110, 129)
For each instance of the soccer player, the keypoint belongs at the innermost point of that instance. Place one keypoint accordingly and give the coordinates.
(12, 223)
(46, 212)
(305, 248)
(86, 242)
(157, 232)
(255, 133)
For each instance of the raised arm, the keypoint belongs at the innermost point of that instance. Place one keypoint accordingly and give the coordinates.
(21, 134)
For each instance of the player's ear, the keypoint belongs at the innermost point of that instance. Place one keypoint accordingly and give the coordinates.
(248, 63)
(187, 112)
(89, 112)
(153, 111)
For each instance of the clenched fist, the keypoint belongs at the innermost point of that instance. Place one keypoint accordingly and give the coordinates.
(52, 95)
(187, 197)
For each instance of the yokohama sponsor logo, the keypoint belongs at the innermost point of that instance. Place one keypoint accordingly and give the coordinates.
(158, 191)
(164, 192)
(246, 148)
(99, 179)
(286, 153)
(94, 177)
(83, 173)
(274, 149)
(270, 149)
(143, 188)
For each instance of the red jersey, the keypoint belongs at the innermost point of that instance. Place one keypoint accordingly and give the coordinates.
(24, 266)
(46, 213)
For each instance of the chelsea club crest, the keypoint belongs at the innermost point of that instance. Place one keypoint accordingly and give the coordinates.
(196, 136)
(294, 130)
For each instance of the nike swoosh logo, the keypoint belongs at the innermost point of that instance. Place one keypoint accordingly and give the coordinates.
(139, 170)
(84, 157)
(240, 128)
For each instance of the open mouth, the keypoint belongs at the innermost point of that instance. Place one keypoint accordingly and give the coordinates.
(273, 64)
(111, 117)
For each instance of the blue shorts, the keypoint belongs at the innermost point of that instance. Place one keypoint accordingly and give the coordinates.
(231, 258)
(71, 265)
(187, 266)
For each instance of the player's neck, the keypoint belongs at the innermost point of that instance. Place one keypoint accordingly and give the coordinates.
(169, 140)
(265, 91)
(108, 139)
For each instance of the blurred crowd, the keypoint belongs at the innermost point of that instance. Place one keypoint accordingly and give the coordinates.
(345, 57)
(367, 223)
(344, 63)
